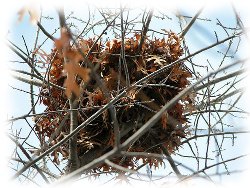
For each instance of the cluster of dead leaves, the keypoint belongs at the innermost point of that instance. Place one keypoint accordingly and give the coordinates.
(69, 69)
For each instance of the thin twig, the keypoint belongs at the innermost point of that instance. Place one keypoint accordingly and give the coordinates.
(171, 162)
(118, 167)
(45, 32)
(45, 171)
(123, 59)
(35, 82)
(184, 32)
(211, 166)
(214, 81)
(28, 156)
(214, 134)
(145, 30)
(25, 60)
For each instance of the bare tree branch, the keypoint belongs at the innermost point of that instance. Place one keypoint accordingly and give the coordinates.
(145, 30)
(45, 32)
(211, 166)
(184, 32)
(28, 156)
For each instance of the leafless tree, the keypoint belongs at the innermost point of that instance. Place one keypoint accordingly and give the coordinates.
(198, 140)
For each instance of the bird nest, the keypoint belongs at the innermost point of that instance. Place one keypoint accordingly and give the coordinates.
(133, 110)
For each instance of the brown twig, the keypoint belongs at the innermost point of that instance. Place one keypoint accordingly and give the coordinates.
(145, 30)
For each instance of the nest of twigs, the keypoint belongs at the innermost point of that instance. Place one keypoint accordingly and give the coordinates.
(132, 111)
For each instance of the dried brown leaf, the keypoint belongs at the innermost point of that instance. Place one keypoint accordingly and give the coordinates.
(73, 68)
(157, 60)
(164, 120)
(34, 16)
(64, 41)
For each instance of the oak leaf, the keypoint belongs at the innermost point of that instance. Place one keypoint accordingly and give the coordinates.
(64, 41)
(73, 68)
(157, 60)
